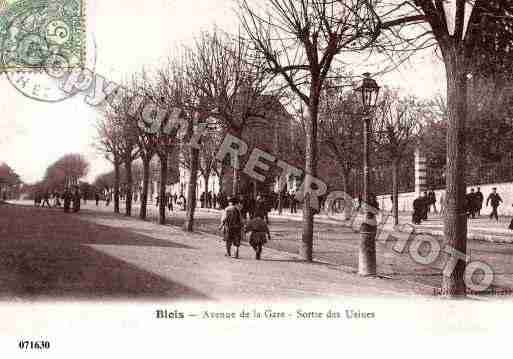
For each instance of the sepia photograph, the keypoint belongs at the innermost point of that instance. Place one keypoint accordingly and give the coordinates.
(289, 178)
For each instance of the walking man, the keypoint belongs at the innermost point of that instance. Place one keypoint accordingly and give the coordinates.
(67, 200)
(231, 224)
(258, 234)
(46, 199)
(479, 201)
(470, 199)
(495, 200)
(76, 200)
(432, 200)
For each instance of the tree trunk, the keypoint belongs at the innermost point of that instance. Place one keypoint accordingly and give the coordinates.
(236, 165)
(144, 194)
(281, 193)
(395, 191)
(116, 187)
(348, 205)
(162, 190)
(129, 185)
(191, 190)
(206, 176)
(455, 221)
(306, 247)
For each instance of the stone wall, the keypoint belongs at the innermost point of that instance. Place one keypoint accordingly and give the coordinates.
(505, 190)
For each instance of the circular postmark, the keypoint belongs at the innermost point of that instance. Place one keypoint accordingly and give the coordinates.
(42, 42)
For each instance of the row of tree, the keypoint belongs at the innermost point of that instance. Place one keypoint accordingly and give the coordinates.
(298, 47)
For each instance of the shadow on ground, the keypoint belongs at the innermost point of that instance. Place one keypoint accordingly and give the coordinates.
(46, 254)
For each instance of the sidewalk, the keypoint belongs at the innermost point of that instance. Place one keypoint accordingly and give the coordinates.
(482, 229)
(102, 256)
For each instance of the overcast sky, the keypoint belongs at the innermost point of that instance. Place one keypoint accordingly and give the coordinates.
(131, 35)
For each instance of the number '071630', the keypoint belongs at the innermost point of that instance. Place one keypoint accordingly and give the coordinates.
(34, 344)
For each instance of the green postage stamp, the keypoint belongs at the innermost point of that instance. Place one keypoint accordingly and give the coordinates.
(42, 34)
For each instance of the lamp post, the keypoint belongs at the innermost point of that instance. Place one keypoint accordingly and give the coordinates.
(368, 91)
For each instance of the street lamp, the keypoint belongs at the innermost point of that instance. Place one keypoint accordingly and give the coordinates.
(369, 91)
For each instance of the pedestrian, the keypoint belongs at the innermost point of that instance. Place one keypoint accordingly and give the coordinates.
(76, 200)
(67, 200)
(202, 199)
(418, 208)
(293, 203)
(258, 234)
(425, 206)
(182, 201)
(170, 202)
(208, 199)
(495, 200)
(46, 199)
(97, 198)
(432, 201)
(56, 201)
(470, 203)
(479, 201)
(231, 224)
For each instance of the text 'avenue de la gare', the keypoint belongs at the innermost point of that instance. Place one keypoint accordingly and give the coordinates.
(266, 314)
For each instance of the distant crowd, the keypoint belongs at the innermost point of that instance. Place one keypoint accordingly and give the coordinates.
(474, 201)
(70, 198)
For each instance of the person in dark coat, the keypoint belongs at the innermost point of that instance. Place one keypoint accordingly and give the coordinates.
(418, 208)
(258, 234)
(495, 200)
(470, 203)
(479, 201)
(76, 200)
(202, 199)
(67, 200)
(432, 200)
(46, 199)
(425, 206)
(231, 224)
(293, 202)
(97, 198)
(169, 199)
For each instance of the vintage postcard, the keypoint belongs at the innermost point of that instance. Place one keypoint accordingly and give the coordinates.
(39, 34)
(238, 178)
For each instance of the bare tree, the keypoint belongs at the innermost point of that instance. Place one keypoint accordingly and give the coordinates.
(108, 141)
(340, 127)
(467, 34)
(145, 140)
(66, 171)
(299, 41)
(230, 78)
(129, 150)
(397, 124)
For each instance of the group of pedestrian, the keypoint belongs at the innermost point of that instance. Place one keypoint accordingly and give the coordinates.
(422, 205)
(234, 225)
(70, 198)
(474, 202)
